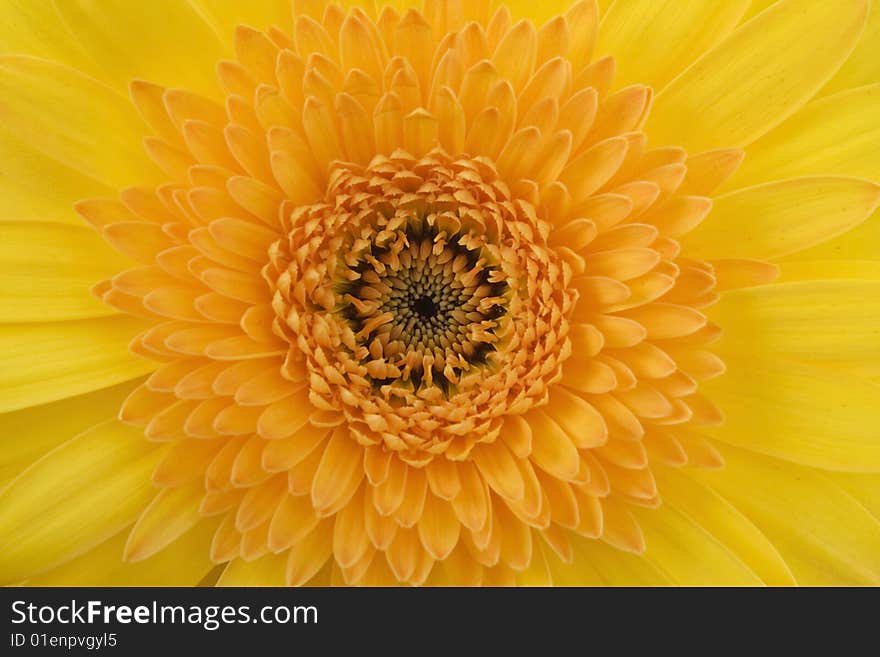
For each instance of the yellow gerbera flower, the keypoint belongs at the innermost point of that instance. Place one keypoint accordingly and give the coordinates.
(464, 293)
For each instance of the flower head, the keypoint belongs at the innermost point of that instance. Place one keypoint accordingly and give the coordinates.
(431, 295)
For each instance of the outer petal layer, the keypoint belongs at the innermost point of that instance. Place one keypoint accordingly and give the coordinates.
(799, 412)
(66, 115)
(835, 135)
(775, 219)
(652, 42)
(74, 498)
(74, 357)
(750, 83)
(183, 563)
(28, 434)
(47, 271)
(824, 534)
(164, 41)
(831, 322)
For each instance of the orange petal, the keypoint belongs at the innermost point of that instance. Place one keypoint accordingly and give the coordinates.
(552, 449)
(438, 527)
(339, 474)
(350, 538)
(498, 467)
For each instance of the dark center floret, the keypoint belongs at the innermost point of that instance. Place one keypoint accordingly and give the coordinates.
(425, 305)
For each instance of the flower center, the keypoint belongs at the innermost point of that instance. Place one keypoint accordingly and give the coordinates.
(426, 307)
(424, 303)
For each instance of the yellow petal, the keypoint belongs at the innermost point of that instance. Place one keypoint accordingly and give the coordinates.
(748, 84)
(268, 570)
(67, 116)
(46, 362)
(778, 218)
(227, 14)
(835, 135)
(823, 533)
(74, 498)
(860, 243)
(35, 28)
(150, 43)
(687, 554)
(47, 271)
(832, 322)
(171, 513)
(183, 563)
(861, 67)
(27, 434)
(537, 573)
(653, 42)
(598, 564)
(864, 487)
(730, 527)
(798, 412)
(798, 270)
(24, 192)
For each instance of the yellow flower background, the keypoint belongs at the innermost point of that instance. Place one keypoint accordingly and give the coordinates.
(453, 293)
